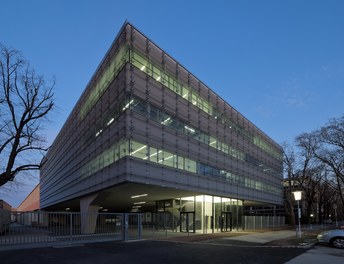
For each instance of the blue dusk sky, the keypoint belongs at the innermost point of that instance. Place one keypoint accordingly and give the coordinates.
(279, 63)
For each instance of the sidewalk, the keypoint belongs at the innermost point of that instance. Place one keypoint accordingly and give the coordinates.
(283, 238)
(263, 238)
(320, 255)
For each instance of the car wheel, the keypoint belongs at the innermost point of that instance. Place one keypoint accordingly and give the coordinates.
(338, 242)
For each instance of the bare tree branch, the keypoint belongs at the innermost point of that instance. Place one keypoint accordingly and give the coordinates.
(331, 152)
(26, 101)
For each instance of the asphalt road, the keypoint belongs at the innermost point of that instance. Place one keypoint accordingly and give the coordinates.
(152, 252)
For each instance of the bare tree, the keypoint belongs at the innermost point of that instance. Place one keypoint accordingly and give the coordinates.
(289, 170)
(327, 197)
(25, 101)
(332, 152)
(303, 172)
(315, 165)
(311, 171)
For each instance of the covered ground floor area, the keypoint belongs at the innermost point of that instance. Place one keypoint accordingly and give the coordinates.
(164, 208)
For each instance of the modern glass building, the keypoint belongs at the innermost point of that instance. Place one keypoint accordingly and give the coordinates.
(146, 135)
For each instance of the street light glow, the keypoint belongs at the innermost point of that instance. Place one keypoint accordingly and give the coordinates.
(297, 195)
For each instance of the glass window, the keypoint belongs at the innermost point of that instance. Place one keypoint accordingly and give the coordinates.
(180, 162)
(102, 83)
(153, 113)
(212, 142)
(123, 149)
(168, 159)
(153, 154)
(108, 158)
(174, 85)
(140, 108)
(229, 177)
(259, 186)
(164, 78)
(171, 83)
(185, 92)
(94, 166)
(190, 165)
(225, 148)
(139, 61)
(194, 99)
(116, 153)
(164, 118)
(138, 150)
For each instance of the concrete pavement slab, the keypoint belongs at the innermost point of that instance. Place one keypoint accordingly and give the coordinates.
(265, 237)
(320, 255)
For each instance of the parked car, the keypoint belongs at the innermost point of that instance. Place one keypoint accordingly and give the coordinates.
(334, 237)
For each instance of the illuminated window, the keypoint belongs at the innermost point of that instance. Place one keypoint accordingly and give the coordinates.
(138, 60)
(138, 150)
(153, 154)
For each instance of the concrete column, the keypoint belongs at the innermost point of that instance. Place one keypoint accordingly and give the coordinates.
(89, 214)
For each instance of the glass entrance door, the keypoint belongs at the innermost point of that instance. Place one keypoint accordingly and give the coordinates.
(226, 221)
(187, 222)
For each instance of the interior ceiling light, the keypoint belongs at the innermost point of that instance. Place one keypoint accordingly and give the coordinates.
(190, 129)
(139, 195)
(138, 150)
(110, 121)
(166, 120)
(140, 202)
(127, 105)
(99, 132)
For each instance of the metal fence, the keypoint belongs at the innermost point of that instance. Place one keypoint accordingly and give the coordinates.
(262, 222)
(55, 228)
(28, 229)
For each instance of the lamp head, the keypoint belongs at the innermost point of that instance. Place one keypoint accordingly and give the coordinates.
(297, 195)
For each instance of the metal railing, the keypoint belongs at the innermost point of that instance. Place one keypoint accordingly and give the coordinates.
(40, 227)
(28, 229)
(262, 222)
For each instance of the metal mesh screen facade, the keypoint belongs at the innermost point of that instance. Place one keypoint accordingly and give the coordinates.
(143, 118)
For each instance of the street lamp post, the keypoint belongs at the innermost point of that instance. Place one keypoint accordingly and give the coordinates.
(298, 196)
(335, 214)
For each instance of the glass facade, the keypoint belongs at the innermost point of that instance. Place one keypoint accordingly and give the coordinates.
(104, 81)
(169, 81)
(199, 214)
(145, 152)
(162, 117)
